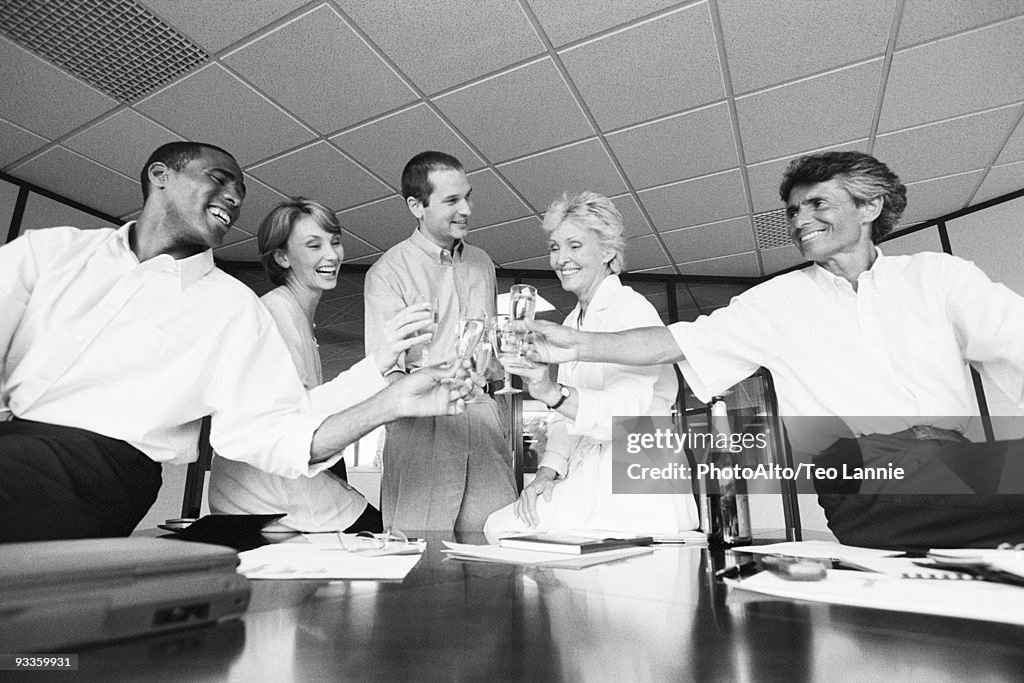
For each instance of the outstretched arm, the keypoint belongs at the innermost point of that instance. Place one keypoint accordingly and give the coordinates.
(427, 392)
(639, 346)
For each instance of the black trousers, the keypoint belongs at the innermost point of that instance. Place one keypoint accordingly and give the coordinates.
(955, 494)
(60, 482)
(369, 520)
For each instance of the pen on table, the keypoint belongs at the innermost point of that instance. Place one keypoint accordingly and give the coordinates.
(736, 570)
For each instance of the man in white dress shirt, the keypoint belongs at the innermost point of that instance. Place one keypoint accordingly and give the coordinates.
(115, 343)
(881, 342)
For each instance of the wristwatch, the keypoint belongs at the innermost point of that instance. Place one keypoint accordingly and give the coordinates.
(564, 391)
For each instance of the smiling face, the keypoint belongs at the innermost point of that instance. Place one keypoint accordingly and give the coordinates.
(579, 259)
(200, 201)
(311, 256)
(445, 218)
(825, 223)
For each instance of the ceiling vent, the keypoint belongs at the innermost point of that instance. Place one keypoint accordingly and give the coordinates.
(116, 46)
(772, 229)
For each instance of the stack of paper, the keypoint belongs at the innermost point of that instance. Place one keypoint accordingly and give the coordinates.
(316, 561)
(533, 558)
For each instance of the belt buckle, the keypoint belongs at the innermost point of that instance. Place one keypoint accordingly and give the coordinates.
(923, 432)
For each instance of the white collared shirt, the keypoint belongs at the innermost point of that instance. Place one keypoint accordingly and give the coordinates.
(92, 338)
(897, 346)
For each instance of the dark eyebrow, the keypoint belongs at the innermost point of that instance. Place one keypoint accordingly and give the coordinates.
(232, 177)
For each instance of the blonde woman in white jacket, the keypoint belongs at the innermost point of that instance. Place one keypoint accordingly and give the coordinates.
(573, 487)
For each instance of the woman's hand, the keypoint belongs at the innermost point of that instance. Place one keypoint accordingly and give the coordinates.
(401, 333)
(542, 485)
(536, 376)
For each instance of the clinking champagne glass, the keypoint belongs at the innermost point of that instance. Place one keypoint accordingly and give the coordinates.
(482, 358)
(505, 344)
(522, 304)
(472, 324)
(424, 348)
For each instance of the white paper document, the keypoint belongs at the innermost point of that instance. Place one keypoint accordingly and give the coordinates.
(319, 561)
(535, 558)
(820, 550)
(981, 600)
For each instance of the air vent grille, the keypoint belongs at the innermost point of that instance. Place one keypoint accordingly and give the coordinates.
(117, 46)
(771, 229)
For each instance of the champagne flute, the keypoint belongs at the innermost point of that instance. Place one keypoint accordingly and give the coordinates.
(424, 348)
(506, 345)
(472, 324)
(482, 358)
(522, 304)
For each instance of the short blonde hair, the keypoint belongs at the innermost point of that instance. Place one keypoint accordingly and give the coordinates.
(593, 211)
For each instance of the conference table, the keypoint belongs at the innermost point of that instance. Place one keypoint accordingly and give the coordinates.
(656, 617)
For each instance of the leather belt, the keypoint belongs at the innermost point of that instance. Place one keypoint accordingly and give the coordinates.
(930, 433)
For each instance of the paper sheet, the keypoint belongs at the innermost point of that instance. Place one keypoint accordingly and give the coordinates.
(981, 600)
(320, 561)
(533, 558)
(824, 550)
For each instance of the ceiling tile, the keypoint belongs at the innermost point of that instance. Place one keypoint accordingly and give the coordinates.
(42, 98)
(8, 198)
(633, 222)
(695, 202)
(710, 241)
(230, 22)
(737, 265)
(493, 202)
(234, 236)
(259, 201)
(382, 224)
(566, 21)
(244, 250)
(322, 173)
(927, 19)
(930, 199)
(386, 145)
(213, 106)
(645, 252)
(123, 141)
(534, 263)
(1014, 149)
(581, 166)
(764, 49)
(969, 72)
(349, 285)
(320, 70)
(765, 178)
(1001, 180)
(780, 258)
(43, 212)
(463, 38)
(16, 142)
(615, 76)
(521, 111)
(75, 177)
(355, 247)
(943, 148)
(921, 240)
(509, 241)
(809, 114)
(679, 147)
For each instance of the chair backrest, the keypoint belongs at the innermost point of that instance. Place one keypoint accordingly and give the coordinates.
(195, 478)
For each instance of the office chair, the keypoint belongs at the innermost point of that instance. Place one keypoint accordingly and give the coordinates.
(192, 502)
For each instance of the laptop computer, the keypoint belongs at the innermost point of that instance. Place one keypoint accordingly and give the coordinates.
(56, 594)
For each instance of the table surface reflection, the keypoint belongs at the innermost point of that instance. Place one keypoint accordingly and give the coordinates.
(657, 617)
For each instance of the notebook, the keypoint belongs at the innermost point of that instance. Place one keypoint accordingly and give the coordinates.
(57, 594)
(572, 544)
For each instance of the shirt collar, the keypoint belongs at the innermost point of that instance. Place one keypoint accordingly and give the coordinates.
(437, 254)
(189, 270)
(823, 275)
(602, 297)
